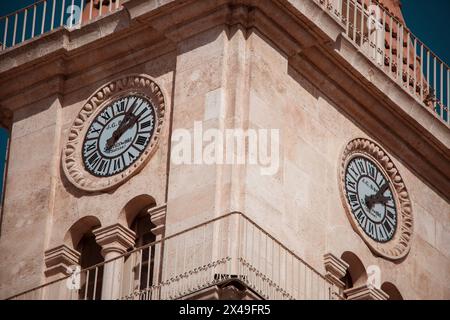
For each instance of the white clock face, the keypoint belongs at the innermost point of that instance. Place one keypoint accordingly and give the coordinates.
(371, 199)
(118, 135)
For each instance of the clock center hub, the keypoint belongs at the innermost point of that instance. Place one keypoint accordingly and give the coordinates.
(122, 144)
(367, 188)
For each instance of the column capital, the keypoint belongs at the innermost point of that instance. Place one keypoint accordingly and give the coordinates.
(335, 269)
(366, 292)
(59, 259)
(158, 218)
(114, 238)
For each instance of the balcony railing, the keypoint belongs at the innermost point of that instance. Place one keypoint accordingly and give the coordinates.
(390, 45)
(46, 15)
(229, 247)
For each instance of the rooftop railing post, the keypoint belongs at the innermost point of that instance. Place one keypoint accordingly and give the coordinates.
(61, 23)
(441, 91)
(15, 30)
(448, 96)
(81, 12)
(43, 17)
(415, 68)
(52, 26)
(72, 10)
(421, 73)
(5, 33)
(24, 26)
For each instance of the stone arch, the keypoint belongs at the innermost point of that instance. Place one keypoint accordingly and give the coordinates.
(79, 229)
(136, 216)
(356, 273)
(392, 291)
(134, 207)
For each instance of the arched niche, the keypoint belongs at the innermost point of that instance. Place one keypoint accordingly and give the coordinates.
(392, 291)
(136, 216)
(135, 207)
(81, 227)
(356, 273)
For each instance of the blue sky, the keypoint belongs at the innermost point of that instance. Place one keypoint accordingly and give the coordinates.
(427, 19)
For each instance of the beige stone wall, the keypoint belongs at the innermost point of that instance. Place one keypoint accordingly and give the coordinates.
(193, 194)
(301, 205)
(209, 85)
(72, 204)
(29, 194)
(40, 203)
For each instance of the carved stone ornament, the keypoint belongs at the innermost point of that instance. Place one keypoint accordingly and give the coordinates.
(74, 165)
(375, 199)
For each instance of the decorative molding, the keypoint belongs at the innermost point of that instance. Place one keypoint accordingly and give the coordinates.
(335, 269)
(6, 117)
(114, 238)
(158, 218)
(366, 292)
(59, 259)
(399, 246)
(72, 152)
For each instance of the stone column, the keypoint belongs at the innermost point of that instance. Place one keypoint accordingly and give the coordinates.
(59, 262)
(335, 270)
(114, 240)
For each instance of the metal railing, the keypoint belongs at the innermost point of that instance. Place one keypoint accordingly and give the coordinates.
(385, 40)
(229, 247)
(46, 15)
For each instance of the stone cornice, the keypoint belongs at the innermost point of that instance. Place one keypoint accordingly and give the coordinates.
(365, 292)
(59, 259)
(5, 118)
(158, 218)
(114, 238)
(335, 269)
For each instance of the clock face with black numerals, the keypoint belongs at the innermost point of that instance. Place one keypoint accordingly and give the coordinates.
(115, 133)
(118, 135)
(376, 199)
(371, 199)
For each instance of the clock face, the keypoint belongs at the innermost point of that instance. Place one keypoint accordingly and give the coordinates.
(370, 199)
(376, 199)
(118, 135)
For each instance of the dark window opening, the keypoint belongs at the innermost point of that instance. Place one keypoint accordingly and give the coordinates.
(90, 282)
(145, 266)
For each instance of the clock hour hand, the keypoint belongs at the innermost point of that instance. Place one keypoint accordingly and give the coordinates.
(119, 132)
(383, 199)
(124, 126)
(377, 197)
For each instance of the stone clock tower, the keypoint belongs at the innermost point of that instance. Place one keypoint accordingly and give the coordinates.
(274, 149)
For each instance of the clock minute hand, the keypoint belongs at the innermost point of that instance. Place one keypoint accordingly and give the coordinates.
(118, 133)
(122, 127)
(382, 190)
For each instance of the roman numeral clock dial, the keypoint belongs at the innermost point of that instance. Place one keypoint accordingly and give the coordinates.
(382, 219)
(118, 135)
(371, 199)
(114, 134)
